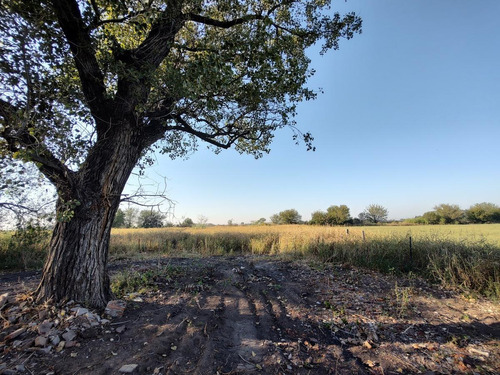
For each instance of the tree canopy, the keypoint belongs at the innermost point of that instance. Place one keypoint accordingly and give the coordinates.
(374, 213)
(290, 216)
(226, 72)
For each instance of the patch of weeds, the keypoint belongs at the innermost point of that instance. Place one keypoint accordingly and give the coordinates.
(140, 282)
(460, 341)
(402, 295)
(26, 249)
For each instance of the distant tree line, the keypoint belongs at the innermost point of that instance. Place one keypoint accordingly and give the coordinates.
(334, 215)
(452, 214)
(133, 218)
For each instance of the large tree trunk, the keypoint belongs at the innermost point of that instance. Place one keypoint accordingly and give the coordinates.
(76, 265)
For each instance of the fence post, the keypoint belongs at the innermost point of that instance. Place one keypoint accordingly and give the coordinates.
(411, 251)
(347, 231)
(364, 238)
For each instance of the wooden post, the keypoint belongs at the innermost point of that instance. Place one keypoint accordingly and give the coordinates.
(347, 231)
(364, 238)
(411, 251)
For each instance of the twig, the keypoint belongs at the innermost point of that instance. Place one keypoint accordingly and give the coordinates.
(250, 363)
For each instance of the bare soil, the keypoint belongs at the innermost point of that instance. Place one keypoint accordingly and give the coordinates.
(263, 315)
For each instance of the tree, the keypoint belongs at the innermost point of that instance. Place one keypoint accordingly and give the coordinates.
(374, 213)
(261, 221)
(431, 217)
(287, 217)
(448, 213)
(131, 217)
(151, 219)
(89, 88)
(338, 215)
(119, 221)
(187, 222)
(318, 218)
(483, 213)
(202, 221)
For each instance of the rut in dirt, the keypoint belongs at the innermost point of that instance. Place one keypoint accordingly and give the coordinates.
(222, 316)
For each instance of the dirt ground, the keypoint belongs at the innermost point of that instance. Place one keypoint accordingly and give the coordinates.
(261, 315)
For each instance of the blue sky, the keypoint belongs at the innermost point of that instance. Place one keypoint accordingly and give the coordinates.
(410, 118)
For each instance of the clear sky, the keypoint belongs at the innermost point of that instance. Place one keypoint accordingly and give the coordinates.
(410, 118)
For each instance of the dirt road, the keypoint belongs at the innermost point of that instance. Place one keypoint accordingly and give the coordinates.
(248, 315)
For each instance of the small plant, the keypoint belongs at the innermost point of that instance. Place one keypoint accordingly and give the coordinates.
(140, 282)
(402, 295)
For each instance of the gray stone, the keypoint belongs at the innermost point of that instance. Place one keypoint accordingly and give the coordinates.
(45, 327)
(69, 335)
(41, 341)
(115, 308)
(80, 311)
(128, 369)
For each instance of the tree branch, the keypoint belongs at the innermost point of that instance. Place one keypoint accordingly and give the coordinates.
(223, 24)
(76, 32)
(20, 138)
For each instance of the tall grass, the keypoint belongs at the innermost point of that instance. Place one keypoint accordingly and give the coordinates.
(462, 257)
(470, 263)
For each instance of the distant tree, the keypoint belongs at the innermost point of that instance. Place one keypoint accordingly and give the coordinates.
(483, 213)
(287, 217)
(374, 213)
(131, 217)
(230, 222)
(202, 220)
(338, 215)
(261, 221)
(187, 222)
(431, 217)
(318, 218)
(449, 213)
(151, 219)
(119, 220)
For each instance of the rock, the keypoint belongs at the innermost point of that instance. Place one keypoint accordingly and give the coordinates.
(115, 308)
(120, 329)
(93, 319)
(128, 369)
(80, 311)
(69, 335)
(70, 344)
(43, 314)
(20, 368)
(41, 341)
(45, 327)
(61, 346)
(55, 340)
(17, 343)
(45, 350)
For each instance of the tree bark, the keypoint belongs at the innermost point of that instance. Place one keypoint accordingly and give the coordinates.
(78, 255)
(76, 265)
